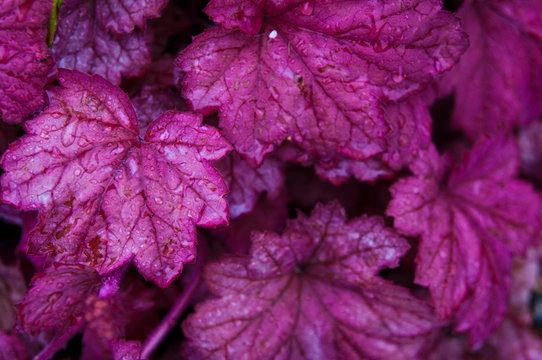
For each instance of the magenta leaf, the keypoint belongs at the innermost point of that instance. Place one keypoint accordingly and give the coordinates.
(311, 293)
(152, 101)
(126, 350)
(83, 43)
(12, 290)
(122, 16)
(109, 193)
(530, 148)
(12, 348)
(246, 16)
(470, 225)
(368, 170)
(318, 76)
(246, 183)
(57, 298)
(24, 57)
(497, 82)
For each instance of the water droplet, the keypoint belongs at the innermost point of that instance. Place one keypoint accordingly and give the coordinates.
(398, 78)
(273, 34)
(259, 113)
(77, 172)
(307, 8)
(69, 132)
(274, 92)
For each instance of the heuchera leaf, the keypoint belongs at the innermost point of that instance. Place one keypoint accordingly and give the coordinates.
(319, 75)
(57, 298)
(24, 57)
(152, 101)
(512, 340)
(470, 225)
(12, 348)
(530, 149)
(12, 290)
(246, 183)
(107, 320)
(498, 81)
(107, 191)
(126, 350)
(122, 16)
(82, 43)
(310, 293)
(409, 124)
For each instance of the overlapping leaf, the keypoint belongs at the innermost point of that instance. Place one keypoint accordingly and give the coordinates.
(57, 298)
(108, 192)
(470, 225)
(84, 43)
(312, 293)
(122, 16)
(498, 81)
(12, 348)
(246, 183)
(12, 290)
(318, 75)
(24, 57)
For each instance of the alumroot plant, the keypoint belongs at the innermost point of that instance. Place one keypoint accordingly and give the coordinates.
(270, 188)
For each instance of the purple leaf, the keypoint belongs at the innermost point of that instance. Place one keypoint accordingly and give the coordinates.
(12, 348)
(530, 148)
(319, 78)
(12, 290)
(152, 101)
(109, 193)
(126, 350)
(82, 43)
(246, 183)
(122, 16)
(57, 298)
(24, 57)
(497, 82)
(470, 225)
(246, 16)
(311, 293)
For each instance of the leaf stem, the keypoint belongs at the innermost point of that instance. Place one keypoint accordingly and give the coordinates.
(154, 339)
(57, 343)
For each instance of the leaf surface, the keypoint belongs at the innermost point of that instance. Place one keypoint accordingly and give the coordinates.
(57, 298)
(311, 293)
(24, 57)
(83, 43)
(470, 225)
(122, 16)
(108, 192)
(498, 81)
(317, 79)
(246, 183)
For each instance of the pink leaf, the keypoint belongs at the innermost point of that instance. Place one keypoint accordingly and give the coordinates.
(24, 57)
(122, 16)
(57, 298)
(12, 290)
(107, 192)
(470, 225)
(319, 77)
(152, 101)
(12, 348)
(126, 350)
(497, 82)
(530, 148)
(82, 43)
(246, 183)
(312, 293)
(247, 16)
